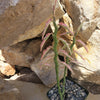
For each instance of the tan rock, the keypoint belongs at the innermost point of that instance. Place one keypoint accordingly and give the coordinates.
(22, 54)
(26, 75)
(90, 86)
(45, 69)
(6, 69)
(85, 13)
(93, 97)
(31, 91)
(89, 69)
(8, 91)
(24, 19)
(1, 56)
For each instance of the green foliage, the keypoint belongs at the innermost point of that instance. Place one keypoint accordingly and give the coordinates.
(68, 56)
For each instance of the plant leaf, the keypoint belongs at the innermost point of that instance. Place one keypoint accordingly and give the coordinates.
(65, 43)
(64, 63)
(79, 54)
(46, 64)
(76, 62)
(64, 33)
(79, 28)
(81, 42)
(45, 51)
(54, 6)
(65, 53)
(45, 39)
(66, 27)
(46, 26)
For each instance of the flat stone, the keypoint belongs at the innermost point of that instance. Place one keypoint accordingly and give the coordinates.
(45, 69)
(31, 91)
(93, 97)
(8, 91)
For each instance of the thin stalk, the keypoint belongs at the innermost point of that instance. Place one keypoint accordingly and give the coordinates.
(56, 59)
(71, 47)
(64, 81)
(67, 61)
(74, 41)
(65, 70)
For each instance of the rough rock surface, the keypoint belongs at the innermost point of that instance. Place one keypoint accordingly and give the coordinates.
(7, 69)
(1, 56)
(23, 19)
(26, 75)
(45, 69)
(23, 53)
(31, 91)
(8, 91)
(93, 97)
(85, 13)
(89, 69)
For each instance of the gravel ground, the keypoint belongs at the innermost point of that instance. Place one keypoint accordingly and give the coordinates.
(72, 92)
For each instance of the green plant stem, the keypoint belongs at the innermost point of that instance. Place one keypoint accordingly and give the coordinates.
(67, 61)
(56, 59)
(71, 47)
(64, 79)
(74, 41)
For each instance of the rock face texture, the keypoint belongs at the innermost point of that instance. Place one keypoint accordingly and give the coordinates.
(7, 69)
(89, 69)
(26, 75)
(21, 19)
(31, 91)
(8, 91)
(21, 25)
(23, 53)
(86, 13)
(45, 69)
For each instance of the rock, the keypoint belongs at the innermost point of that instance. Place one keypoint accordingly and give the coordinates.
(6, 69)
(26, 75)
(31, 91)
(89, 86)
(45, 69)
(23, 53)
(93, 97)
(67, 20)
(24, 19)
(89, 70)
(1, 56)
(85, 13)
(8, 91)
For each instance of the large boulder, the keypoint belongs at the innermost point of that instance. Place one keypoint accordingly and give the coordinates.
(45, 69)
(8, 91)
(23, 53)
(89, 69)
(85, 13)
(24, 19)
(31, 91)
